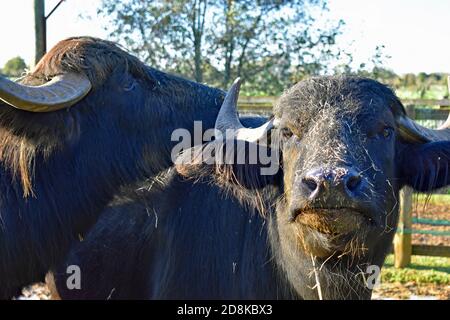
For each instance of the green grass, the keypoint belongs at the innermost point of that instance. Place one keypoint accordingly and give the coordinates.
(423, 270)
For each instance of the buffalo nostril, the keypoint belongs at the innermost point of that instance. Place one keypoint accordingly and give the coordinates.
(353, 182)
(310, 183)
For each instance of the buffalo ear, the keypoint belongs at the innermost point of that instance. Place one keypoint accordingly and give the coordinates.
(231, 163)
(425, 167)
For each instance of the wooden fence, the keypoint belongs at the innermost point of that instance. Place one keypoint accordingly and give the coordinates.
(433, 113)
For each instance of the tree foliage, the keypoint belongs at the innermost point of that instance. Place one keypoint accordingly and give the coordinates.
(269, 43)
(14, 67)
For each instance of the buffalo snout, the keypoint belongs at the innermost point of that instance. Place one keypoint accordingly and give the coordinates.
(342, 181)
(340, 187)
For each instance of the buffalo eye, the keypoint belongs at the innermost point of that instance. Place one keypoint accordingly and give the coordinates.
(384, 133)
(387, 132)
(286, 132)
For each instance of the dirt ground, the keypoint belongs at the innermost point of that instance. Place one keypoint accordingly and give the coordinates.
(411, 291)
(436, 212)
(389, 291)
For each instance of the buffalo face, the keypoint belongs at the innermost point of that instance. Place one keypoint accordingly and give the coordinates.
(340, 180)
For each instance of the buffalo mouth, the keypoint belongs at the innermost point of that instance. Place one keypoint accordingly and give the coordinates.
(333, 221)
(326, 231)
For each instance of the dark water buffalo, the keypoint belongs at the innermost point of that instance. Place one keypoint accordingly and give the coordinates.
(223, 230)
(98, 119)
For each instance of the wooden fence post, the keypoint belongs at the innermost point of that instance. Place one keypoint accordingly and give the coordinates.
(402, 239)
(39, 30)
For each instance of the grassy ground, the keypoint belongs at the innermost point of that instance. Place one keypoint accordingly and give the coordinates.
(428, 270)
(424, 278)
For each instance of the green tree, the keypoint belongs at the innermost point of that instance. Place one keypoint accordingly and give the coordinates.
(14, 67)
(216, 41)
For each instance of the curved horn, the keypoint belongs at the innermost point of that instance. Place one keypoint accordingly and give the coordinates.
(446, 124)
(61, 92)
(412, 131)
(416, 133)
(228, 119)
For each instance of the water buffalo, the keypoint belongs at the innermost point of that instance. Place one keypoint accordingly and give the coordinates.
(89, 119)
(315, 229)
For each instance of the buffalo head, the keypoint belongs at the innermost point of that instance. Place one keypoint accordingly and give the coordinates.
(87, 120)
(345, 148)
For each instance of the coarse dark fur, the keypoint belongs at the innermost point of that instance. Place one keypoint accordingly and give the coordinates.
(59, 170)
(200, 234)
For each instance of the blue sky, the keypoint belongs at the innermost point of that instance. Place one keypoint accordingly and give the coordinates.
(415, 33)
